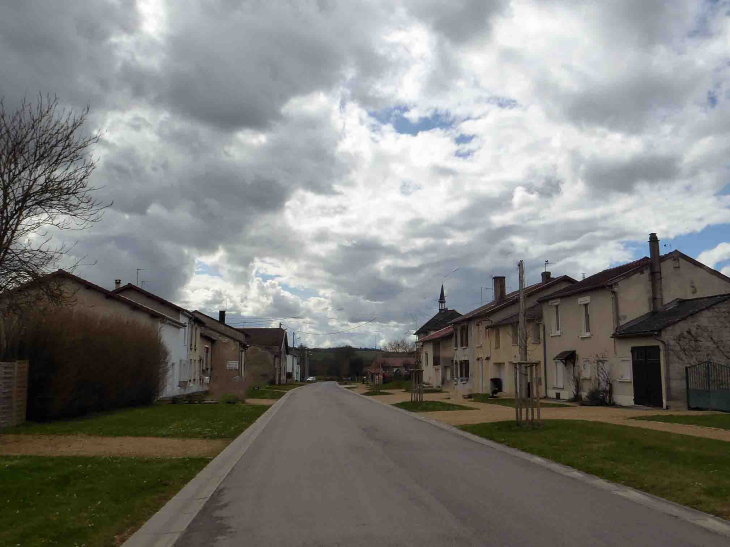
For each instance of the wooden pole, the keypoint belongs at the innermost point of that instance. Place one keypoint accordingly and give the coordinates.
(517, 397)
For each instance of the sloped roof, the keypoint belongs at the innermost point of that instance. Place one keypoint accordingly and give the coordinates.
(269, 337)
(533, 313)
(610, 276)
(220, 328)
(378, 363)
(439, 321)
(443, 333)
(159, 299)
(512, 298)
(674, 312)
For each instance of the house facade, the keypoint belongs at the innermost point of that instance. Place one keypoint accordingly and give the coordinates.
(267, 355)
(437, 354)
(483, 345)
(582, 322)
(187, 371)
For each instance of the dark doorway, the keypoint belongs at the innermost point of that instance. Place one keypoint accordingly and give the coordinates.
(647, 371)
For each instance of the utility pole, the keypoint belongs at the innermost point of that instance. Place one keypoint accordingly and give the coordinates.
(139, 270)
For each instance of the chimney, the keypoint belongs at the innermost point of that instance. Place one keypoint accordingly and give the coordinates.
(117, 283)
(499, 290)
(655, 269)
(545, 277)
(222, 316)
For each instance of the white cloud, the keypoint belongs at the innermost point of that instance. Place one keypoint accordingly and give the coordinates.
(714, 256)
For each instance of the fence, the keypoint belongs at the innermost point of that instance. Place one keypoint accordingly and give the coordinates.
(708, 386)
(13, 393)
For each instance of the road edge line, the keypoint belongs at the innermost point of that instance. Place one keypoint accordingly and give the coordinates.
(166, 526)
(705, 520)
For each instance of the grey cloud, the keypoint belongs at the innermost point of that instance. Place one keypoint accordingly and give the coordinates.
(458, 20)
(621, 175)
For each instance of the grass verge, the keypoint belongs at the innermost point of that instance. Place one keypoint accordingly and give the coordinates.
(689, 470)
(484, 398)
(430, 406)
(286, 387)
(220, 421)
(720, 421)
(371, 393)
(405, 385)
(265, 393)
(96, 502)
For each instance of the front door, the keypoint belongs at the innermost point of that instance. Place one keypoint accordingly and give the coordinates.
(647, 371)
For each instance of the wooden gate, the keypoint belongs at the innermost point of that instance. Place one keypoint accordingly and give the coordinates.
(708, 386)
(646, 365)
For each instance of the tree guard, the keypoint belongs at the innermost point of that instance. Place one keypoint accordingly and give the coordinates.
(527, 405)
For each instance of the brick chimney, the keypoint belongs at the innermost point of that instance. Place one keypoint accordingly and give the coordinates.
(546, 277)
(117, 283)
(655, 269)
(499, 287)
(222, 316)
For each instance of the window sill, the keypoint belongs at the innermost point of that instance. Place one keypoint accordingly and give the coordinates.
(555, 333)
(624, 380)
(585, 335)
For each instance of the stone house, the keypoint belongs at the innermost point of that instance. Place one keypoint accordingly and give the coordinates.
(224, 353)
(583, 320)
(267, 355)
(481, 352)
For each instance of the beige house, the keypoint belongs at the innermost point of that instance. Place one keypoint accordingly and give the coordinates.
(482, 343)
(582, 320)
(437, 353)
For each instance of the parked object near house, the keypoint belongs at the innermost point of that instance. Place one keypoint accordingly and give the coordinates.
(618, 329)
(485, 339)
(267, 355)
(13, 393)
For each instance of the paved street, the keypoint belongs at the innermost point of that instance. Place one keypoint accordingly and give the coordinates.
(335, 469)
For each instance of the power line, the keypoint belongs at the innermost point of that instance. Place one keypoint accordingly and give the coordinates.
(338, 332)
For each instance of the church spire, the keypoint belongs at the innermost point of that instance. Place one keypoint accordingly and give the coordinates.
(442, 300)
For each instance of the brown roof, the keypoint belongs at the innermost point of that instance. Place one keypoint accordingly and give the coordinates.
(159, 299)
(391, 362)
(443, 333)
(512, 298)
(112, 295)
(610, 276)
(533, 313)
(268, 337)
(220, 328)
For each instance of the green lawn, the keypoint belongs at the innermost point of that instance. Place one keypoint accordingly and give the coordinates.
(405, 385)
(430, 406)
(484, 398)
(265, 393)
(371, 393)
(287, 387)
(689, 470)
(220, 421)
(721, 421)
(84, 501)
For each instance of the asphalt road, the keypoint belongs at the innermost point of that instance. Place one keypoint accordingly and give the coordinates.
(334, 469)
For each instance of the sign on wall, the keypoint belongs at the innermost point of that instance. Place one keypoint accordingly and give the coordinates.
(232, 365)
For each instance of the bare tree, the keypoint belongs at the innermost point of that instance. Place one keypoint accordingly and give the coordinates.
(45, 166)
(400, 346)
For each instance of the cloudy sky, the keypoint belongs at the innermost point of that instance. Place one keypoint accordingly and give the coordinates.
(323, 164)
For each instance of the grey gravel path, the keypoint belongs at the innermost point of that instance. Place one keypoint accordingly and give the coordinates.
(334, 469)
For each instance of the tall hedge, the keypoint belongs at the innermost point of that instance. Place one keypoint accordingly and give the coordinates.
(81, 363)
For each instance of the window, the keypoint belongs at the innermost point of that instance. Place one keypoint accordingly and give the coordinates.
(625, 370)
(536, 328)
(555, 305)
(585, 304)
(464, 336)
(515, 333)
(426, 359)
(496, 338)
(478, 336)
(463, 369)
(585, 372)
(456, 337)
(206, 363)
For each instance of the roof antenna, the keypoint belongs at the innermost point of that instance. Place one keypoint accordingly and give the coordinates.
(546, 264)
(584, 275)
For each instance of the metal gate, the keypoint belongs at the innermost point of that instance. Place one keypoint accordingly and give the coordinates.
(708, 386)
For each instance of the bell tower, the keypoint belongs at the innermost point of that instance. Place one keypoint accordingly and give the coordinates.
(442, 300)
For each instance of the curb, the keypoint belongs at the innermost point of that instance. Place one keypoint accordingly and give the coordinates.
(169, 523)
(705, 520)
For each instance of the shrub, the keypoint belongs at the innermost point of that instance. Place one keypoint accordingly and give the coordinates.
(81, 363)
(229, 398)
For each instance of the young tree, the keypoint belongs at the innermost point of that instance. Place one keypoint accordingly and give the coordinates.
(45, 167)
